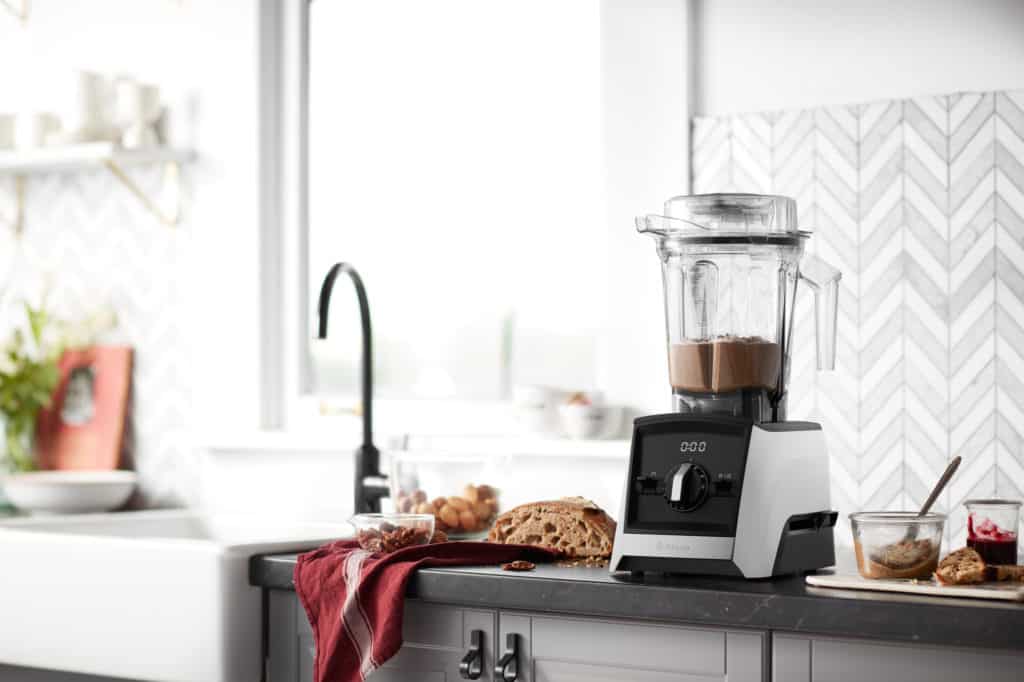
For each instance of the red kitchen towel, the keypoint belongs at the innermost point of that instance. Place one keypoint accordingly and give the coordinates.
(354, 599)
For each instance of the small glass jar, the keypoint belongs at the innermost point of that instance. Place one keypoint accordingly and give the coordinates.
(992, 527)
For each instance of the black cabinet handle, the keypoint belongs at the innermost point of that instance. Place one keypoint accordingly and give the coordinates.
(472, 665)
(507, 667)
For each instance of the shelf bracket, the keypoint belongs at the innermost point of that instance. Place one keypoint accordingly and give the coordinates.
(171, 184)
(19, 9)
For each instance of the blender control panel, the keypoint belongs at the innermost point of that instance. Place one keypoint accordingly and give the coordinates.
(686, 475)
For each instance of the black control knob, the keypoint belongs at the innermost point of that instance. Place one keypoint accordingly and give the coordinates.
(687, 486)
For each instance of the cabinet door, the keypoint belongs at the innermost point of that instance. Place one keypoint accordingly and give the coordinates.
(823, 659)
(555, 649)
(435, 639)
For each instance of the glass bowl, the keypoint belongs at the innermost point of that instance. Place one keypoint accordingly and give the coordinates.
(897, 544)
(390, 532)
(459, 490)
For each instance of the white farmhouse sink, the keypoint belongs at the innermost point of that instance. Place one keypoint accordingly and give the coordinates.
(158, 595)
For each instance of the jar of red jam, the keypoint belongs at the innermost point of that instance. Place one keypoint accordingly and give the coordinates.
(992, 529)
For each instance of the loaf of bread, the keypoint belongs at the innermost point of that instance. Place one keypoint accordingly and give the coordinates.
(572, 526)
(962, 567)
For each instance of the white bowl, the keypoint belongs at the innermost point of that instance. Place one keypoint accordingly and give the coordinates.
(69, 492)
(535, 408)
(590, 421)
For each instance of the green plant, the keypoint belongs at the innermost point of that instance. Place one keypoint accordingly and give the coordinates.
(28, 377)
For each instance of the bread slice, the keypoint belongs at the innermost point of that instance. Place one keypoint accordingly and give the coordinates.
(572, 526)
(1005, 572)
(962, 567)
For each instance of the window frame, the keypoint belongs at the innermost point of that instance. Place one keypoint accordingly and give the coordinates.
(286, 401)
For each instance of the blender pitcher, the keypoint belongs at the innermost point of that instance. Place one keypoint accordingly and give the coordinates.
(730, 268)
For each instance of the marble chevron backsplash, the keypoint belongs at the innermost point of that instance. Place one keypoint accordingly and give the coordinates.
(920, 202)
(93, 243)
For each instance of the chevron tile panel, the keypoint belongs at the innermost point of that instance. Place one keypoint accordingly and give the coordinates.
(835, 213)
(1009, 294)
(972, 298)
(926, 253)
(920, 202)
(91, 242)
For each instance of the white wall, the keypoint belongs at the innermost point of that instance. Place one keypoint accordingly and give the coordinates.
(752, 55)
(203, 57)
(646, 134)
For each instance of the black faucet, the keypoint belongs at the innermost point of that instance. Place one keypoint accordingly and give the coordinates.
(370, 484)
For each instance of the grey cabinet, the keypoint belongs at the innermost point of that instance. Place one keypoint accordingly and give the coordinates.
(564, 649)
(826, 659)
(436, 637)
(548, 648)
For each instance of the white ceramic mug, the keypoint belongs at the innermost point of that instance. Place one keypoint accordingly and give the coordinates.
(33, 129)
(137, 109)
(6, 131)
(86, 110)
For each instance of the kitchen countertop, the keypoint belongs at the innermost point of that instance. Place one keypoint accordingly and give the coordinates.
(785, 604)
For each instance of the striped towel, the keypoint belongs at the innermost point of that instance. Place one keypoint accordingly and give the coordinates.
(354, 599)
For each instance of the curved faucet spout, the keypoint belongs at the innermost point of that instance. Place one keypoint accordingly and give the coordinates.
(369, 487)
(323, 309)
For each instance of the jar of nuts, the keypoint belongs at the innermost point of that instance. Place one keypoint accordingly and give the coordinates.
(458, 515)
(450, 487)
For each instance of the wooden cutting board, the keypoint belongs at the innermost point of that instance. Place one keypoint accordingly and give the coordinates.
(853, 581)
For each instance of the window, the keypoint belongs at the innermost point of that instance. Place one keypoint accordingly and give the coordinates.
(455, 161)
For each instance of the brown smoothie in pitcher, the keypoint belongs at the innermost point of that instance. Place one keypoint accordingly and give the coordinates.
(724, 364)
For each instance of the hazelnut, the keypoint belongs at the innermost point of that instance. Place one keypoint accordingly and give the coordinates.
(450, 516)
(439, 502)
(471, 493)
(419, 497)
(482, 511)
(424, 508)
(467, 521)
(485, 492)
(458, 503)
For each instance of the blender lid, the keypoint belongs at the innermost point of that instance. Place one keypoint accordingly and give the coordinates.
(726, 217)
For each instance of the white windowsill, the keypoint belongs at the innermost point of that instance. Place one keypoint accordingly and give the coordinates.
(344, 441)
(483, 427)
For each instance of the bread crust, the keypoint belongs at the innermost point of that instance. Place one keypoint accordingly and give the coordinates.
(571, 526)
(962, 567)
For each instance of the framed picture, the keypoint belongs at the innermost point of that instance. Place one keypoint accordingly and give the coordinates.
(84, 426)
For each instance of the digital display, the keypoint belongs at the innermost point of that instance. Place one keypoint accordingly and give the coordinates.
(661, 445)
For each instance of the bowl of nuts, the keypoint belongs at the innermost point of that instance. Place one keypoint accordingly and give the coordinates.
(390, 532)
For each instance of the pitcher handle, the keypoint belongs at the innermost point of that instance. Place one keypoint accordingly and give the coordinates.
(824, 282)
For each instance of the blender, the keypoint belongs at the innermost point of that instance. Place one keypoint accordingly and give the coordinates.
(724, 484)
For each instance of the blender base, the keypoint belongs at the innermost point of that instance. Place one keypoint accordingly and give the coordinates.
(725, 496)
(751, 403)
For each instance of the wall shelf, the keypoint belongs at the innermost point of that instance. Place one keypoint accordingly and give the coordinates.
(22, 164)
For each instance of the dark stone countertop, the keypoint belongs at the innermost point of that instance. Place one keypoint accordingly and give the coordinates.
(785, 605)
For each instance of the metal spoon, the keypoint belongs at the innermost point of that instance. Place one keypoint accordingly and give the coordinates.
(939, 487)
